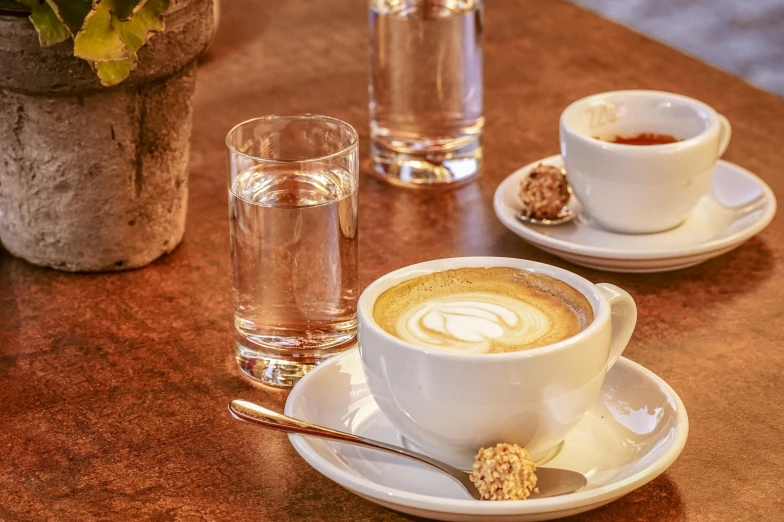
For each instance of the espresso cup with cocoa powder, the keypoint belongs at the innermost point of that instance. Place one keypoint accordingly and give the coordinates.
(639, 161)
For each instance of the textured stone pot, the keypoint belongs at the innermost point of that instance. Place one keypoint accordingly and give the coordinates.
(94, 178)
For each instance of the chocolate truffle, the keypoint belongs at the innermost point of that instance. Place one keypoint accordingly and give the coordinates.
(544, 192)
(504, 472)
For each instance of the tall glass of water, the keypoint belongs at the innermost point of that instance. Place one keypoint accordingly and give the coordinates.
(293, 217)
(426, 115)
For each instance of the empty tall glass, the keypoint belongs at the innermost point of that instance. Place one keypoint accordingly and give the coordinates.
(293, 217)
(426, 114)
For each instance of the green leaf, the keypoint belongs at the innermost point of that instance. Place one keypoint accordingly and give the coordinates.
(106, 33)
(126, 8)
(135, 31)
(98, 40)
(50, 29)
(112, 73)
(71, 12)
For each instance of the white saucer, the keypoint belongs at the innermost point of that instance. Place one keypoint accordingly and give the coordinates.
(713, 228)
(629, 437)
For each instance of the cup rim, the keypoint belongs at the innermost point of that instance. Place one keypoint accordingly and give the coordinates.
(601, 314)
(625, 147)
(295, 116)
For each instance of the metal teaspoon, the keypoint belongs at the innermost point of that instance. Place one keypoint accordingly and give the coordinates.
(550, 481)
(567, 214)
(564, 216)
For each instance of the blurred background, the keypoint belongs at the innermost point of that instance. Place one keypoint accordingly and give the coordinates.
(745, 37)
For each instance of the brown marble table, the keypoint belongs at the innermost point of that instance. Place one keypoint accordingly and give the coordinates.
(113, 387)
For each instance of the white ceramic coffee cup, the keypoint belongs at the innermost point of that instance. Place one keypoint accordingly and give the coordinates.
(448, 405)
(641, 188)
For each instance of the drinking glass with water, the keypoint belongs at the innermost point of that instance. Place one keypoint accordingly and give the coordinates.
(426, 114)
(293, 220)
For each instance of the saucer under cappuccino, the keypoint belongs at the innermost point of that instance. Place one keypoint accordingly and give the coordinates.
(482, 310)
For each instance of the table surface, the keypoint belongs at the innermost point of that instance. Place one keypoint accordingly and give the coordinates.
(113, 387)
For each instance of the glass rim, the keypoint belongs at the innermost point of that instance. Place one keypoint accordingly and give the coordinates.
(295, 116)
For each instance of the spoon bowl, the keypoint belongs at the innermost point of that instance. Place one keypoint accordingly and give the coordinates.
(564, 216)
(551, 481)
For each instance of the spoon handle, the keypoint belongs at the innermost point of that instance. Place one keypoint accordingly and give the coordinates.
(552, 481)
(255, 414)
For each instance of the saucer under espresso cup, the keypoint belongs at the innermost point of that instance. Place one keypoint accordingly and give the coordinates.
(641, 188)
(629, 436)
(737, 206)
(448, 403)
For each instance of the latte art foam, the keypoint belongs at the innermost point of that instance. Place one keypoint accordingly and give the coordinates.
(471, 321)
(482, 310)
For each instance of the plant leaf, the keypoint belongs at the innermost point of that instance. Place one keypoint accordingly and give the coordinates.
(126, 8)
(50, 29)
(98, 40)
(112, 73)
(135, 31)
(71, 12)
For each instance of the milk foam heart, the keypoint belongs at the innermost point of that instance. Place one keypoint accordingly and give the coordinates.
(471, 321)
(482, 310)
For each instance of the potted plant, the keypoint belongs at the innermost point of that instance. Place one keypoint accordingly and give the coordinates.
(95, 121)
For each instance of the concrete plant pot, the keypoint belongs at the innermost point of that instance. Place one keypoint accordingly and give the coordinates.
(95, 178)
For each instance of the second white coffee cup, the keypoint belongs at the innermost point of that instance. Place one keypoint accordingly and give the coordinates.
(641, 188)
(448, 405)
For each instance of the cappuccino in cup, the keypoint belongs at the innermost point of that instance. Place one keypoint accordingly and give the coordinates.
(482, 310)
(462, 353)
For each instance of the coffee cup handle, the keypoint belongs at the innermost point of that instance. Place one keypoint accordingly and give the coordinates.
(725, 133)
(624, 318)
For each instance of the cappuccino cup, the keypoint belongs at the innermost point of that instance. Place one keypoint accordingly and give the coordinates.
(469, 352)
(641, 188)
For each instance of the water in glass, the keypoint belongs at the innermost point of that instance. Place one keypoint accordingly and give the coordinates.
(426, 90)
(294, 251)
